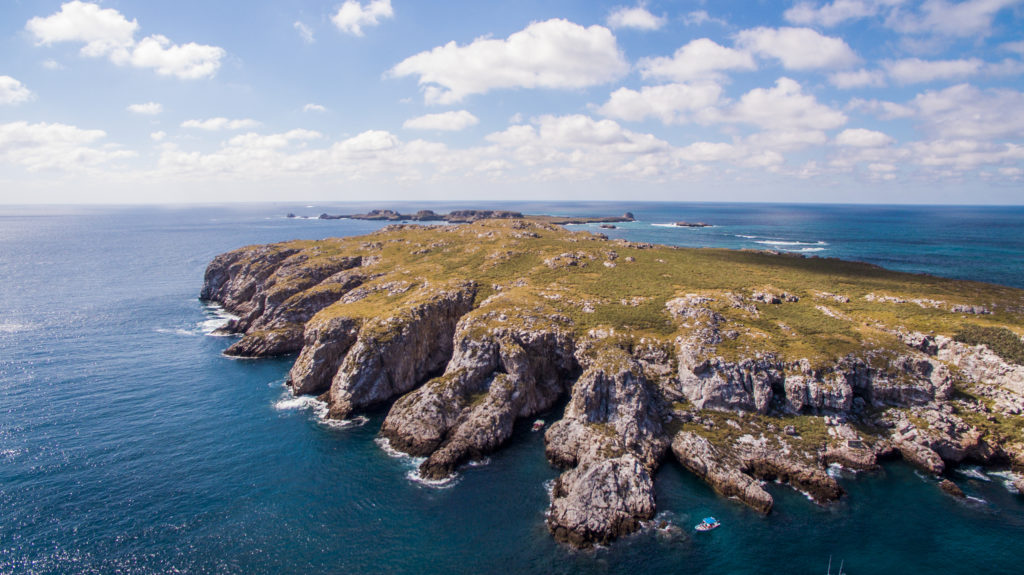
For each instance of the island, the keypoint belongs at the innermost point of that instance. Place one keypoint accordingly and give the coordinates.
(469, 216)
(744, 366)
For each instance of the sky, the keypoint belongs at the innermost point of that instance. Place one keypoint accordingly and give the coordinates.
(843, 101)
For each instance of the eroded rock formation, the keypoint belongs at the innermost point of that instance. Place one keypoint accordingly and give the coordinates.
(466, 329)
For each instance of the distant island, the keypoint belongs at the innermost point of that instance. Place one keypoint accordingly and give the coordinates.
(469, 216)
(743, 366)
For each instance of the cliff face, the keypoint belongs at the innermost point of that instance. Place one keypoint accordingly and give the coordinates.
(744, 367)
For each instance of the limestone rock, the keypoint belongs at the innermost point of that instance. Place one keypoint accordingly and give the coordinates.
(720, 470)
(612, 435)
(395, 353)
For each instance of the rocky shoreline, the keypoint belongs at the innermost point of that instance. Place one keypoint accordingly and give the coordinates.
(470, 216)
(464, 329)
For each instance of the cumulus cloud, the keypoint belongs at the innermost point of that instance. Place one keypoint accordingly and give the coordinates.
(798, 48)
(353, 16)
(915, 70)
(701, 58)
(965, 112)
(12, 91)
(305, 32)
(447, 121)
(552, 54)
(857, 79)
(314, 108)
(219, 124)
(670, 103)
(880, 108)
(783, 107)
(106, 32)
(700, 17)
(637, 17)
(830, 14)
(51, 64)
(966, 19)
(147, 109)
(45, 146)
(862, 138)
(103, 30)
(158, 136)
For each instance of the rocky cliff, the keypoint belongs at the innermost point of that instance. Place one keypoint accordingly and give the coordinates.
(743, 367)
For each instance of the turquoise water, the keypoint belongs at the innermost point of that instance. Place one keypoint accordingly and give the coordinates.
(128, 444)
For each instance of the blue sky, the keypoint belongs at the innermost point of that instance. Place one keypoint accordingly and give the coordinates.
(902, 101)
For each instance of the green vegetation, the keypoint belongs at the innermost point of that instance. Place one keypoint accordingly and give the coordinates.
(1005, 343)
(582, 281)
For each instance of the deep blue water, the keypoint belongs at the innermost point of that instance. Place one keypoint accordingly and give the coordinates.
(128, 444)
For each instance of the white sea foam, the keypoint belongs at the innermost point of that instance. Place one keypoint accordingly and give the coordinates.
(680, 227)
(973, 472)
(976, 499)
(790, 243)
(216, 318)
(446, 483)
(11, 327)
(812, 250)
(747, 237)
(319, 409)
(1006, 478)
(178, 331)
(479, 462)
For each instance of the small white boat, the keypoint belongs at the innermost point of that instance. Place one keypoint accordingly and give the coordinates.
(707, 524)
(538, 425)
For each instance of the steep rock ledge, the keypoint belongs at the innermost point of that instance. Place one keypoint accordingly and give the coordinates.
(394, 353)
(612, 437)
(506, 365)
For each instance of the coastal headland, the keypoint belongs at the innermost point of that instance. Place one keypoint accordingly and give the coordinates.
(744, 366)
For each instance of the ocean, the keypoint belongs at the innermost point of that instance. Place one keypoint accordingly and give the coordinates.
(129, 444)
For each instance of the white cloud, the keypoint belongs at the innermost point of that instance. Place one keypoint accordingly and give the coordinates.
(964, 155)
(305, 32)
(798, 48)
(446, 121)
(158, 136)
(218, 124)
(13, 91)
(857, 79)
(966, 19)
(1017, 47)
(106, 32)
(147, 109)
(699, 17)
(862, 138)
(915, 70)
(314, 108)
(882, 109)
(637, 17)
(701, 58)
(54, 146)
(551, 54)
(103, 30)
(783, 107)
(963, 112)
(187, 61)
(353, 16)
(670, 103)
(831, 14)
(52, 64)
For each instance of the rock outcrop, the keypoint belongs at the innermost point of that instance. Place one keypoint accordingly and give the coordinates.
(506, 365)
(397, 351)
(612, 437)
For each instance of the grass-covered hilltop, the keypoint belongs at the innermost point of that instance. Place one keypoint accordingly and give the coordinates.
(744, 366)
